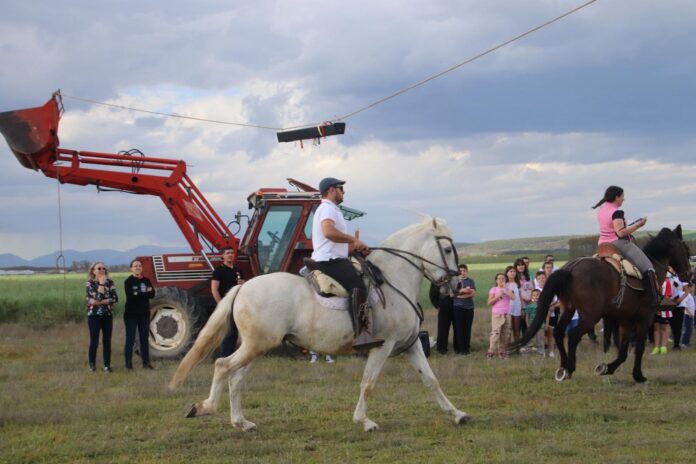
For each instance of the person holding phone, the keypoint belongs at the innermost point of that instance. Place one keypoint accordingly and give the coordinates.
(101, 297)
(614, 229)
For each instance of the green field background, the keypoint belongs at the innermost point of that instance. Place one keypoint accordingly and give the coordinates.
(43, 300)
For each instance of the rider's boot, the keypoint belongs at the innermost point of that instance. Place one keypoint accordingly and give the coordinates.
(364, 341)
(650, 285)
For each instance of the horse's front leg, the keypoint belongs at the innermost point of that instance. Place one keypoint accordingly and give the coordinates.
(374, 365)
(609, 369)
(420, 363)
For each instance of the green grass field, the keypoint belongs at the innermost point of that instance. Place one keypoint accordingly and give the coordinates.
(45, 300)
(54, 410)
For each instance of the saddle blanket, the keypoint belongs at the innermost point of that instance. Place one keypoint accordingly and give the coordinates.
(340, 303)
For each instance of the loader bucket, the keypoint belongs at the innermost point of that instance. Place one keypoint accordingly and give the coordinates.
(32, 133)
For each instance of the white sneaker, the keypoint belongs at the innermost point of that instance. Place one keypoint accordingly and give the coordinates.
(329, 359)
(552, 354)
(313, 358)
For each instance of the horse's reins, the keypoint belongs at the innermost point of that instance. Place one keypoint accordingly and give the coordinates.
(404, 254)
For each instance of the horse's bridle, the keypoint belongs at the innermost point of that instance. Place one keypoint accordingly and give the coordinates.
(403, 254)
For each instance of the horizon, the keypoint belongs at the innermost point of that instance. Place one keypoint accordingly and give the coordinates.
(521, 142)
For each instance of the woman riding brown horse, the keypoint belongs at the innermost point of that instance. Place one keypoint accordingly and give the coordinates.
(596, 290)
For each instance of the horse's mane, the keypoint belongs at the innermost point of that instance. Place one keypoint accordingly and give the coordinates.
(439, 225)
(658, 247)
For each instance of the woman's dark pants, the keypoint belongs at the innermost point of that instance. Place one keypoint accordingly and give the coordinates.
(96, 324)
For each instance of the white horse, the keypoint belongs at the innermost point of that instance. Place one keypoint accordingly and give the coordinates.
(273, 307)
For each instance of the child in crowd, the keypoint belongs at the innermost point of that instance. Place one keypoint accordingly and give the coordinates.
(537, 342)
(313, 358)
(690, 308)
(499, 299)
(664, 314)
(551, 316)
(513, 285)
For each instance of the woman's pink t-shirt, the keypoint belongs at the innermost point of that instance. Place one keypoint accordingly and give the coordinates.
(606, 223)
(501, 306)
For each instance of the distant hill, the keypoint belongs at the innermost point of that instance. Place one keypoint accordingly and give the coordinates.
(517, 246)
(110, 257)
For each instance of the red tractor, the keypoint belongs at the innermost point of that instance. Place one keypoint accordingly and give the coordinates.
(277, 238)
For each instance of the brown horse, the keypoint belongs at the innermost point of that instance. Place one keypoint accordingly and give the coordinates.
(593, 288)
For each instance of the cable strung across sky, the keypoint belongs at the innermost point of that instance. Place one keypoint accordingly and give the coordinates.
(359, 110)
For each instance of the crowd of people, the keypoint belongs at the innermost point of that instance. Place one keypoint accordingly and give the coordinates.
(513, 303)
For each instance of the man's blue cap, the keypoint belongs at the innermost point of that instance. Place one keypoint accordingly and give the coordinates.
(329, 182)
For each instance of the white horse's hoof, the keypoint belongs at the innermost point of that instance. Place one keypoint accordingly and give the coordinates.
(370, 426)
(245, 425)
(462, 418)
(562, 374)
(601, 369)
(197, 409)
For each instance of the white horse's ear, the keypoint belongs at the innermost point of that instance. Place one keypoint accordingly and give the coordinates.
(678, 231)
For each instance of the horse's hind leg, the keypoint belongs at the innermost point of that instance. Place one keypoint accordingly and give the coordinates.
(374, 365)
(563, 372)
(641, 334)
(235, 387)
(223, 368)
(420, 363)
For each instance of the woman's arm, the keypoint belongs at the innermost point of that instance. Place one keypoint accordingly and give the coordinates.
(624, 231)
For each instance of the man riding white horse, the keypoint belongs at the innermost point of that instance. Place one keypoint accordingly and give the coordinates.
(332, 245)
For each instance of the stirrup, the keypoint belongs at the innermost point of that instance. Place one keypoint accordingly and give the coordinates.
(365, 341)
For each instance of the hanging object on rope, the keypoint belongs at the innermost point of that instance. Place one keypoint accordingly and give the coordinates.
(322, 130)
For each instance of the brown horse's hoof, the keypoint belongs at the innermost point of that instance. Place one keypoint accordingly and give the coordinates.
(601, 369)
(192, 412)
(562, 374)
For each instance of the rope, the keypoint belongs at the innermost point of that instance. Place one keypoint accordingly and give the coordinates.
(60, 259)
(465, 62)
(170, 115)
(359, 110)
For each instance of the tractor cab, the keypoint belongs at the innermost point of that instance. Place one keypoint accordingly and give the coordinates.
(279, 234)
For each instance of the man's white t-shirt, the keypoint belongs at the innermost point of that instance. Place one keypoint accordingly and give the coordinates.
(325, 249)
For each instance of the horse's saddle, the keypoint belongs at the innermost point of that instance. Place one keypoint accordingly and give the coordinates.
(611, 255)
(328, 287)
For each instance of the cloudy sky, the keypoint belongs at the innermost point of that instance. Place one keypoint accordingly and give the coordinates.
(519, 143)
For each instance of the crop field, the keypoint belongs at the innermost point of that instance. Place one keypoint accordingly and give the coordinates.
(52, 409)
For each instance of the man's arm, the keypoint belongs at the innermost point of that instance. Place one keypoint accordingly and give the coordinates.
(328, 228)
(215, 290)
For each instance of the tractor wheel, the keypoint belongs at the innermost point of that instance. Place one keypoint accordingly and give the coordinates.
(174, 323)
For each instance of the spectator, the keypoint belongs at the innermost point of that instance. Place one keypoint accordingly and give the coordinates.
(549, 259)
(689, 310)
(499, 298)
(662, 317)
(676, 323)
(226, 276)
(313, 358)
(530, 311)
(442, 299)
(463, 311)
(551, 316)
(139, 291)
(526, 287)
(101, 296)
(513, 285)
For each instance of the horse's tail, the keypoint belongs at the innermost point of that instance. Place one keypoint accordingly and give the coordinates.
(556, 283)
(209, 338)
